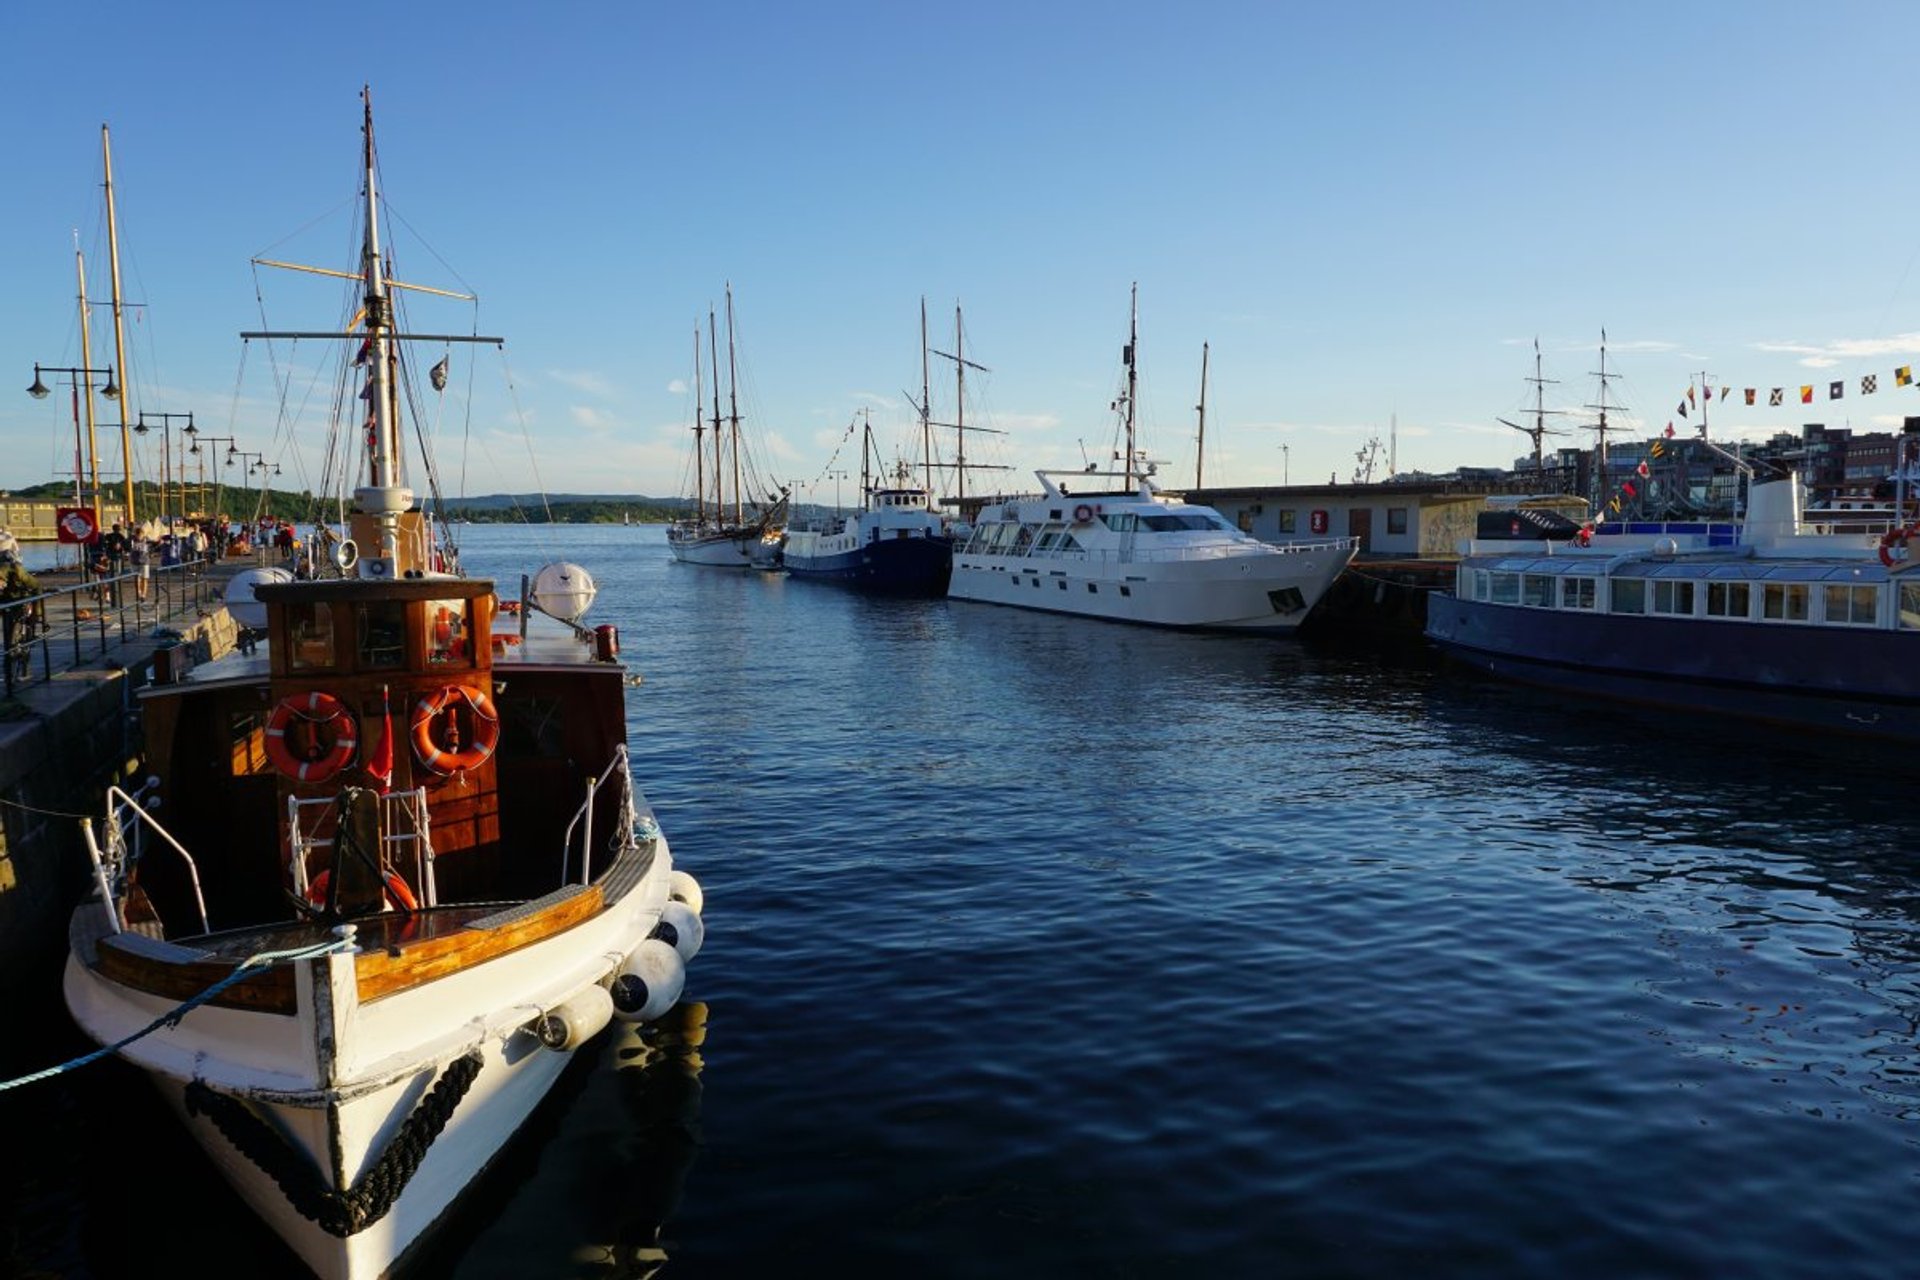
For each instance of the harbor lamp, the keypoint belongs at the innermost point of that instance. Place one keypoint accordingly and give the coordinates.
(233, 447)
(166, 457)
(78, 376)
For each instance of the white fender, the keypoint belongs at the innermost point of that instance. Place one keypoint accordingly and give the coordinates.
(680, 929)
(649, 982)
(682, 887)
(576, 1020)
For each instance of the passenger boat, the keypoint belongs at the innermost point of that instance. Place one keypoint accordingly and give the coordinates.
(896, 544)
(1114, 547)
(722, 533)
(1778, 617)
(390, 872)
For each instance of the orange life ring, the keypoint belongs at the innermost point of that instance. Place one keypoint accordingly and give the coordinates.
(437, 708)
(397, 891)
(1895, 538)
(318, 710)
(509, 606)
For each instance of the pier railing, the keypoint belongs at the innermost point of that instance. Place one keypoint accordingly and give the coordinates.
(68, 626)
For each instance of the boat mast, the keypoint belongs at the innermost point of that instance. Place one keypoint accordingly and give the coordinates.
(959, 405)
(866, 449)
(1200, 441)
(1133, 338)
(699, 456)
(384, 497)
(733, 407)
(926, 405)
(86, 364)
(119, 328)
(1706, 398)
(713, 347)
(1600, 427)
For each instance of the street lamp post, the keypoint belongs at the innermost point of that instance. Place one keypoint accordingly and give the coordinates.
(166, 457)
(233, 447)
(77, 376)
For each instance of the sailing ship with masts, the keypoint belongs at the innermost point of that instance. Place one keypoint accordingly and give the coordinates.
(728, 529)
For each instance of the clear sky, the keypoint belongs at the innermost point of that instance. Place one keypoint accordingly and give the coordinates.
(1368, 211)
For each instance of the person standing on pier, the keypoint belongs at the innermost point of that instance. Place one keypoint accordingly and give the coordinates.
(140, 560)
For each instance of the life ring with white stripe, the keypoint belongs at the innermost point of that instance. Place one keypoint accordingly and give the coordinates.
(321, 713)
(1082, 514)
(436, 729)
(1896, 538)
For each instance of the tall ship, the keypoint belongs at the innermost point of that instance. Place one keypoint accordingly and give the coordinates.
(1806, 621)
(1110, 544)
(727, 529)
(391, 869)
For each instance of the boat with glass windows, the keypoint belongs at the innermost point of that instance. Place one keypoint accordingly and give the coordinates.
(1781, 617)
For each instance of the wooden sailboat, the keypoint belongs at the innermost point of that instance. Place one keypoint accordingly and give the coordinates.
(739, 532)
(392, 870)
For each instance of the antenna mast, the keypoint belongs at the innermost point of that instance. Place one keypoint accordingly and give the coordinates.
(1133, 381)
(733, 406)
(1200, 442)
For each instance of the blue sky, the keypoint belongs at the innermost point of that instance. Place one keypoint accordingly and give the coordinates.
(1369, 212)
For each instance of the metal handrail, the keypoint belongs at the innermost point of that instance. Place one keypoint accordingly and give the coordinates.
(117, 854)
(84, 618)
(585, 814)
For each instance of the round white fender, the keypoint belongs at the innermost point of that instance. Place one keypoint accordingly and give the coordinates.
(575, 1021)
(681, 929)
(649, 982)
(682, 887)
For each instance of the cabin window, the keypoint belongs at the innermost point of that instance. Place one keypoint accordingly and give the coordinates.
(1784, 601)
(1120, 521)
(383, 634)
(1049, 537)
(310, 636)
(1396, 519)
(1287, 522)
(447, 634)
(247, 744)
(1854, 606)
(1536, 589)
(1909, 606)
(1022, 539)
(1576, 593)
(1729, 599)
(1503, 588)
(1629, 595)
(1670, 596)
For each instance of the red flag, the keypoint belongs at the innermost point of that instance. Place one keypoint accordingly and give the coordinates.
(1669, 431)
(1641, 470)
(380, 764)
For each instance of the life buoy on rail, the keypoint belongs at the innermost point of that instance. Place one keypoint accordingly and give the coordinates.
(397, 891)
(1317, 522)
(1896, 538)
(321, 713)
(1082, 514)
(1585, 536)
(438, 709)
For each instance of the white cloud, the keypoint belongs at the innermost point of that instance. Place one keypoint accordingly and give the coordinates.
(592, 384)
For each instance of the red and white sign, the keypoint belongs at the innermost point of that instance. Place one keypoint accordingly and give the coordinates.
(1317, 522)
(75, 524)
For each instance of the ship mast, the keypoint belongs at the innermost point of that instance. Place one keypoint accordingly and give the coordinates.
(699, 457)
(1200, 441)
(119, 327)
(86, 363)
(1600, 428)
(384, 497)
(713, 346)
(926, 405)
(1133, 384)
(733, 407)
(960, 366)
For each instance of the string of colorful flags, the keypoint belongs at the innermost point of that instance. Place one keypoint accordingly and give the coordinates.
(1836, 389)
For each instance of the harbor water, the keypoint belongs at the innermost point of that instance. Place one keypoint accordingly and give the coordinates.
(1043, 947)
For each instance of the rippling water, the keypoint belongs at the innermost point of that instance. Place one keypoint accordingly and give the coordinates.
(1044, 947)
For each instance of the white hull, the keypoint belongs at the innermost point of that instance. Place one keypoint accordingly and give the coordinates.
(345, 1088)
(719, 550)
(1267, 592)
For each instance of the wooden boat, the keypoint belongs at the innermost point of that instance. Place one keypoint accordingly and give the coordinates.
(391, 871)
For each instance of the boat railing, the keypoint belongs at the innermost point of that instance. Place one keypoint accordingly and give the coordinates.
(126, 826)
(404, 829)
(582, 820)
(1168, 555)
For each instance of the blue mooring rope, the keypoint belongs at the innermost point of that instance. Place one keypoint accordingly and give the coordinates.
(252, 965)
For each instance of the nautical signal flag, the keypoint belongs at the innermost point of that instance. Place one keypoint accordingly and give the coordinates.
(1806, 395)
(1774, 398)
(1642, 469)
(380, 764)
(1669, 431)
(1750, 395)
(1659, 447)
(1723, 392)
(1904, 375)
(1869, 384)
(1835, 389)
(1683, 408)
